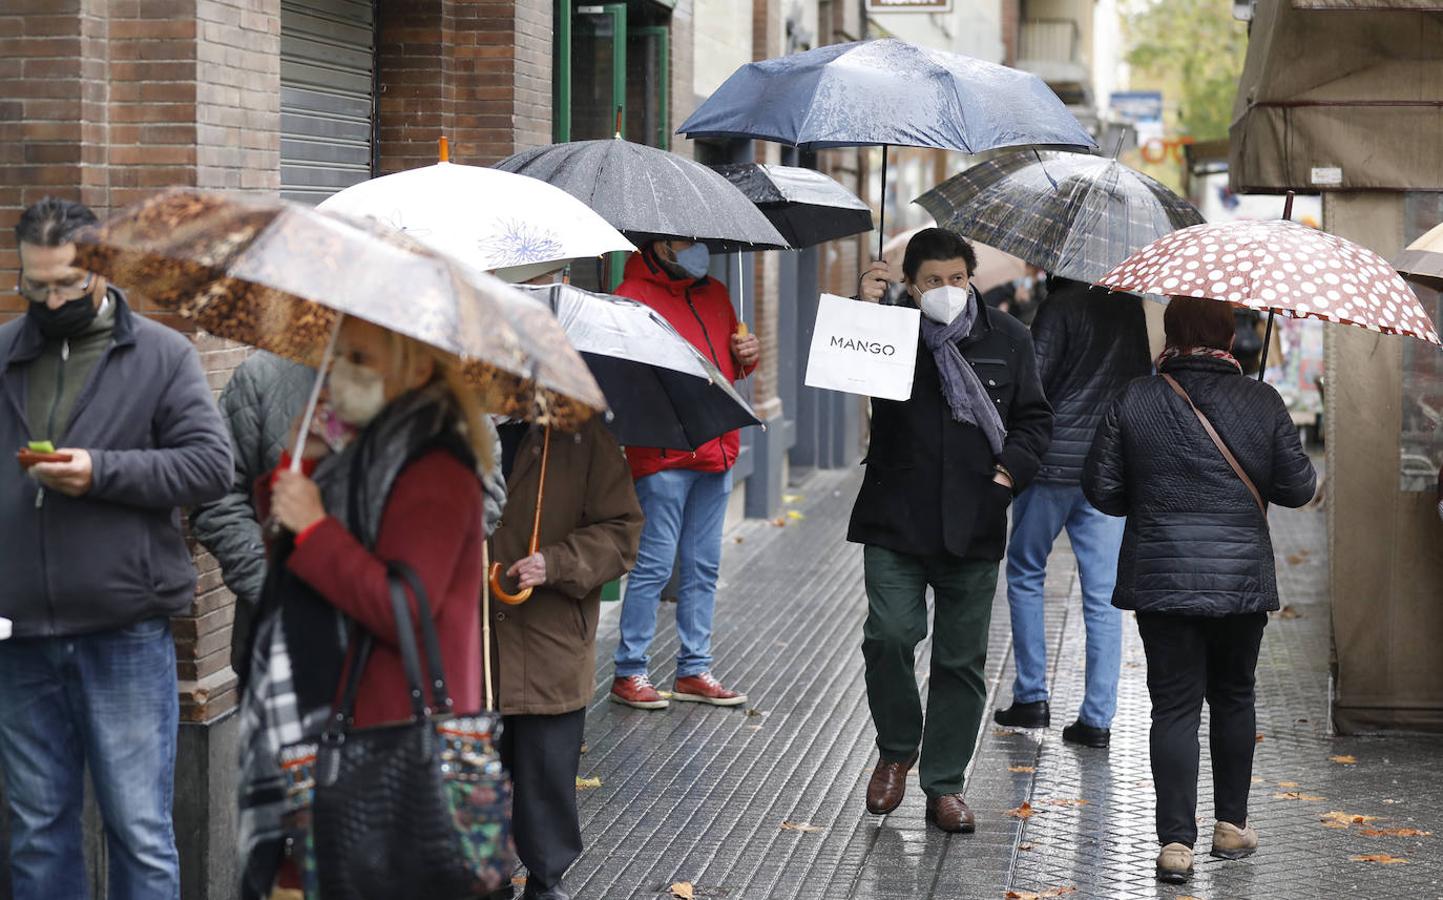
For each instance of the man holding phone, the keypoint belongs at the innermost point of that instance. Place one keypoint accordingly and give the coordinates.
(115, 429)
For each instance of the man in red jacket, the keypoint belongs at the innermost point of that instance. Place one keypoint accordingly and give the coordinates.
(683, 494)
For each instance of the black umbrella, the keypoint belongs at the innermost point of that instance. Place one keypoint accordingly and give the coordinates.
(661, 390)
(1068, 213)
(649, 194)
(807, 207)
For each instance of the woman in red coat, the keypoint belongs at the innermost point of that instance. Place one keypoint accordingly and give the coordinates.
(406, 485)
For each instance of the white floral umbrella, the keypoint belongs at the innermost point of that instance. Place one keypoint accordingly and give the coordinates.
(513, 225)
(1278, 267)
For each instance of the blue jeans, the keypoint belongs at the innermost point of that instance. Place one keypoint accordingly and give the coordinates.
(1038, 517)
(105, 701)
(684, 512)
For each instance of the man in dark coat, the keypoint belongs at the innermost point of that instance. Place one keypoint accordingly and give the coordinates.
(941, 470)
(95, 565)
(1090, 344)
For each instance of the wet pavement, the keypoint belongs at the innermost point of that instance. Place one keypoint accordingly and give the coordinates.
(700, 796)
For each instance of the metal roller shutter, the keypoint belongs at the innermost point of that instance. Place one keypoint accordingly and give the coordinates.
(327, 96)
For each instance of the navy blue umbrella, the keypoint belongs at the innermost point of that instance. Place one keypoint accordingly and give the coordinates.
(883, 92)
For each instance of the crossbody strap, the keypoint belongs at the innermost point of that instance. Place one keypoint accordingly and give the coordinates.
(1218, 442)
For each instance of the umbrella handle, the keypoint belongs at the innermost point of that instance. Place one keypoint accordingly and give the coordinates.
(882, 207)
(314, 398)
(495, 574)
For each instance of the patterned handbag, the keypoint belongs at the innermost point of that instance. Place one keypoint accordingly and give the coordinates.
(415, 809)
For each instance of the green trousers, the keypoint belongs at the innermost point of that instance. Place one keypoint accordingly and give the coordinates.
(896, 623)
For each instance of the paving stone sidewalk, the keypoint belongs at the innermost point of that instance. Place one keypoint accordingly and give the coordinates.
(699, 795)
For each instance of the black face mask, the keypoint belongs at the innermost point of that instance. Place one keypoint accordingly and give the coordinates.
(67, 320)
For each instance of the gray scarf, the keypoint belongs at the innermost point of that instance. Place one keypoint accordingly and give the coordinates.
(960, 385)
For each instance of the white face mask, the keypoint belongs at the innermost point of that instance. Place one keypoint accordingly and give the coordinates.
(358, 393)
(944, 304)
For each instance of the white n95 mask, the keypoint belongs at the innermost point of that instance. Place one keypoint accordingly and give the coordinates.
(944, 304)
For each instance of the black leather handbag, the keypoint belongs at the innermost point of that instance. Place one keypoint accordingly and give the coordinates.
(416, 809)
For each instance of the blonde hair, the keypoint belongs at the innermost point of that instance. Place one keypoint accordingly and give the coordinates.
(406, 352)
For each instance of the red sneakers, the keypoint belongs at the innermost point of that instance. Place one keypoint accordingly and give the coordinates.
(636, 691)
(704, 688)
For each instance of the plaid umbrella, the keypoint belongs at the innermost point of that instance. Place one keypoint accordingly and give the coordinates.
(1278, 267)
(1073, 215)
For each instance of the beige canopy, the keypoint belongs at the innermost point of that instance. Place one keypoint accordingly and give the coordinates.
(1340, 100)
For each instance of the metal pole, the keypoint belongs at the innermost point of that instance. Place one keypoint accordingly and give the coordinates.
(882, 218)
(1268, 332)
(315, 396)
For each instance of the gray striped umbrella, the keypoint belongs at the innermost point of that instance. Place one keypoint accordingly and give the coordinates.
(1073, 215)
(647, 193)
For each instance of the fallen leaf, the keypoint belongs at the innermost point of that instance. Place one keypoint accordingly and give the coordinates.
(804, 827)
(1295, 559)
(796, 515)
(1025, 845)
(1258, 737)
(1287, 784)
(753, 712)
(1390, 802)
(1386, 859)
(1294, 795)
(518, 880)
(1343, 819)
(683, 890)
(1344, 760)
(754, 728)
(1050, 892)
(1257, 780)
(1332, 824)
(791, 498)
(665, 695)
(1003, 732)
(585, 748)
(738, 539)
(587, 784)
(1394, 832)
(1022, 812)
(780, 522)
(1022, 768)
(1065, 802)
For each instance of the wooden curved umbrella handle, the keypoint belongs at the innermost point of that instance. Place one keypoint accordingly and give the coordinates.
(495, 574)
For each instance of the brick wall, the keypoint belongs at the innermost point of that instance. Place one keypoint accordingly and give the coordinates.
(476, 71)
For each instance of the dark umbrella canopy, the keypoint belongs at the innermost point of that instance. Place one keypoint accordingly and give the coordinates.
(876, 93)
(662, 392)
(1071, 214)
(647, 193)
(807, 207)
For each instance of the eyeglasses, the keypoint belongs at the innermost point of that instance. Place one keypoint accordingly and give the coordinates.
(39, 293)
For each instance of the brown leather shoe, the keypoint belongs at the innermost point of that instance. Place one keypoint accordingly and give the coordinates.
(888, 785)
(950, 813)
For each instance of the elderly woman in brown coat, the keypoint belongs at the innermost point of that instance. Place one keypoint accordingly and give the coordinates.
(545, 647)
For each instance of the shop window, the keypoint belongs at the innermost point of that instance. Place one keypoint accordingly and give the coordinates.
(1422, 440)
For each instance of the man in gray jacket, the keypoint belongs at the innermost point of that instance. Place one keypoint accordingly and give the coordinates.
(94, 564)
(261, 400)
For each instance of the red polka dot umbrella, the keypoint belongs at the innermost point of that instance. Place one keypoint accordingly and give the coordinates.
(1278, 267)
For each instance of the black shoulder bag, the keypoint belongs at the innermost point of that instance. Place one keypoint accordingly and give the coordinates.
(415, 809)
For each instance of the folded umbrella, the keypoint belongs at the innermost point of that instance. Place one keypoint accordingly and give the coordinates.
(280, 276)
(647, 193)
(661, 390)
(1071, 214)
(807, 207)
(1422, 261)
(514, 226)
(1279, 267)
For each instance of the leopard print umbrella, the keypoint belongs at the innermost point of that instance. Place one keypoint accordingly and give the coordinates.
(275, 275)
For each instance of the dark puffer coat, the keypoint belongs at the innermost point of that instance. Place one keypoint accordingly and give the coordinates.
(1090, 344)
(1196, 543)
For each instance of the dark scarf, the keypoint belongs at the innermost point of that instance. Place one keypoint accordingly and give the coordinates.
(355, 485)
(966, 396)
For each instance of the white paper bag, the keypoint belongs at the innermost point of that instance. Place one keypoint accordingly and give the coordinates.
(864, 348)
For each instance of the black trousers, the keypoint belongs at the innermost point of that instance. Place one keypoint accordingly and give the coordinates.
(543, 755)
(1191, 659)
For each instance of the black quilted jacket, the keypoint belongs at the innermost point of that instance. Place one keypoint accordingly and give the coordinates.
(1196, 543)
(1090, 344)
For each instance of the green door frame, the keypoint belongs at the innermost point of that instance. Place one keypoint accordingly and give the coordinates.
(561, 96)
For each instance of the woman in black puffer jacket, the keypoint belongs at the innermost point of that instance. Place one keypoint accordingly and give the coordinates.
(1197, 560)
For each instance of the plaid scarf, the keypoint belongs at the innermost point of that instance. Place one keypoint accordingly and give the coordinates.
(1172, 353)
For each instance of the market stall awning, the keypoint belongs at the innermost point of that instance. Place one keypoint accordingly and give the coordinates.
(1340, 102)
